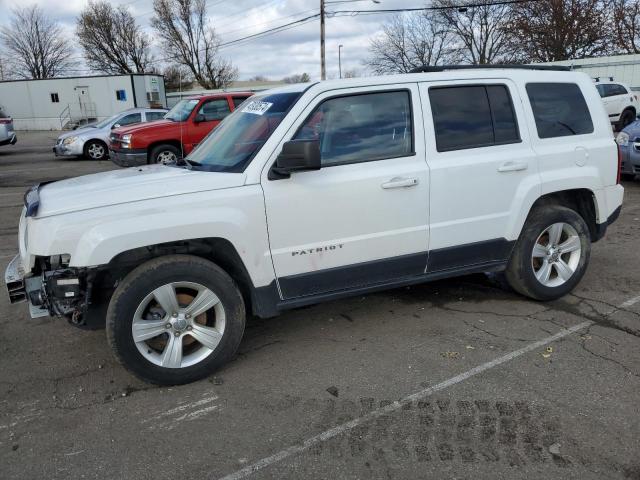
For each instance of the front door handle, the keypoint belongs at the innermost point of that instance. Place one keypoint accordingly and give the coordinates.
(398, 182)
(513, 166)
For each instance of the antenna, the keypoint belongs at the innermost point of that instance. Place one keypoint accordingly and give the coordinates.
(180, 90)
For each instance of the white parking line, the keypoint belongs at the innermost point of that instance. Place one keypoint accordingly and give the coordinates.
(630, 302)
(335, 431)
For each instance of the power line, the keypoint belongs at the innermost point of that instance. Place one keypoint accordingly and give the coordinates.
(439, 7)
(266, 23)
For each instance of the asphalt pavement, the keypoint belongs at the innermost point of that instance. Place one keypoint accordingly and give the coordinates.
(451, 379)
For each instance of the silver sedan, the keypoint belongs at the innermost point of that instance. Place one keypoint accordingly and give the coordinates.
(91, 141)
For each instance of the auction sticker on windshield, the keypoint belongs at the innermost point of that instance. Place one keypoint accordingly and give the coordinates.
(257, 107)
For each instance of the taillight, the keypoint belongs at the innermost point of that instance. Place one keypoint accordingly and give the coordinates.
(5, 121)
(619, 164)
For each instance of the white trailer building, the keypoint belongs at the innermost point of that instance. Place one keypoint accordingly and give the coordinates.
(58, 103)
(623, 68)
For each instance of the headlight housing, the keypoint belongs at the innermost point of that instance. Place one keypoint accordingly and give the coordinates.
(622, 139)
(126, 141)
(69, 140)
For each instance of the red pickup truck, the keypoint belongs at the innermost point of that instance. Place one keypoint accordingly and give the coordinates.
(169, 139)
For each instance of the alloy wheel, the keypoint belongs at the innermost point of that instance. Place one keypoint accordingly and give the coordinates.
(96, 151)
(167, 157)
(178, 324)
(556, 254)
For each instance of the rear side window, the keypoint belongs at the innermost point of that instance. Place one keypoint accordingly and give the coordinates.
(151, 116)
(559, 109)
(472, 116)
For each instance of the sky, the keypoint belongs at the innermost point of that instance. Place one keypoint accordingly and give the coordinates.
(275, 56)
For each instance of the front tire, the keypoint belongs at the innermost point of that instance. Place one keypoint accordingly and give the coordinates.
(175, 319)
(165, 154)
(95, 150)
(551, 255)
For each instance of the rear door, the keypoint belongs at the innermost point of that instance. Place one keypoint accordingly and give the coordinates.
(362, 219)
(481, 164)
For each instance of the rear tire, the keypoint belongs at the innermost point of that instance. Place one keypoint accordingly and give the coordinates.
(175, 319)
(626, 118)
(165, 154)
(551, 254)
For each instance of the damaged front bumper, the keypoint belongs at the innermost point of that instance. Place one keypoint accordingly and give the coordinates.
(20, 288)
(58, 291)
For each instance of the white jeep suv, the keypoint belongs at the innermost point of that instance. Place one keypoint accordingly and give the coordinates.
(619, 101)
(309, 193)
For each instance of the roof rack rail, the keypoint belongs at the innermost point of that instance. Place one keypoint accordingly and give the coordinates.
(442, 68)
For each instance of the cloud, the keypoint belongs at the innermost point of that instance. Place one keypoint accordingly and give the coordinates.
(292, 51)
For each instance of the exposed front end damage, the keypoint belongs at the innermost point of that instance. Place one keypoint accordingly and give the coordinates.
(52, 288)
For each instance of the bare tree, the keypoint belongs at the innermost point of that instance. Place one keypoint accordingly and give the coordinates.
(35, 45)
(176, 77)
(410, 41)
(258, 78)
(111, 39)
(297, 78)
(551, 30)
(351, 73)
(189, 40)
(481, 30)
(626, 25)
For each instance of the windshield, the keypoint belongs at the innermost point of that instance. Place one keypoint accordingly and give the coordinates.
(181, 110)
(106, 122)
(231, 146)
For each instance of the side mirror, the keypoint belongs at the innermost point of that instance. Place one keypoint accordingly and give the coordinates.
(115, 125)
(296, 156)
(199, 118)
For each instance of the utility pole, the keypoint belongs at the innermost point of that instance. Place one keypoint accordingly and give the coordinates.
(323, 71)
(339, 61)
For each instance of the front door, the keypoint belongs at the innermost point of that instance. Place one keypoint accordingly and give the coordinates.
(362, 219)
(482, 168)
(204, 119)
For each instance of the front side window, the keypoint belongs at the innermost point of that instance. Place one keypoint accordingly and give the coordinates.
(181, 110)
(559, 109)
(234, 143)
(130, 119)
(361, 128)
(214, 110)
(472, 116)
(237, 101)
(619, 89)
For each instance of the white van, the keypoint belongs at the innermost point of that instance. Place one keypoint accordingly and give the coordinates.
(309, 193)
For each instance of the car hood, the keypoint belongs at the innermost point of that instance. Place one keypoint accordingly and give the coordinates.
(142, 127)
(79, 132)
(128, 185)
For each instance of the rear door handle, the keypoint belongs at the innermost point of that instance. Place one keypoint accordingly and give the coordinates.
(513, 166)
(398, 182)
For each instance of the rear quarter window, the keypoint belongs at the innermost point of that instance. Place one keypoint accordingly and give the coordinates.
(559, 109)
